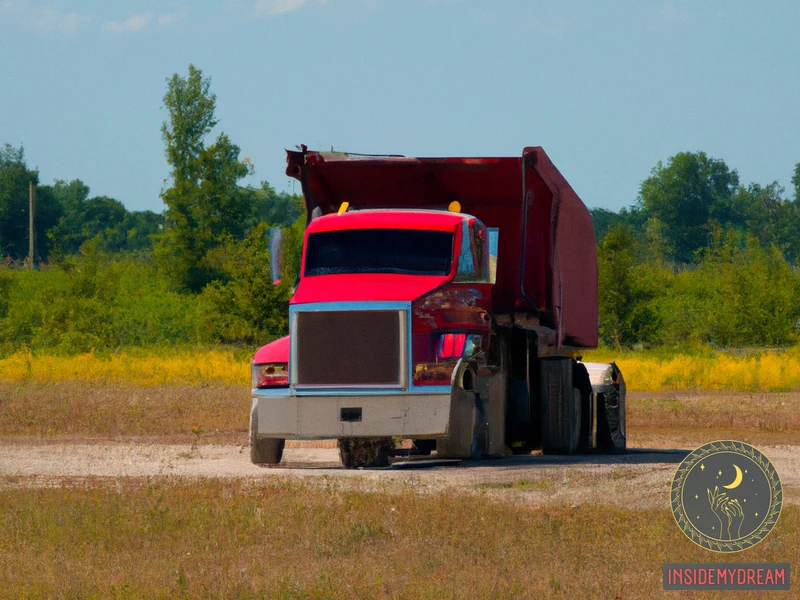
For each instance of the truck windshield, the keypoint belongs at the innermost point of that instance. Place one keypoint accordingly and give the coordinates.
(401, 251)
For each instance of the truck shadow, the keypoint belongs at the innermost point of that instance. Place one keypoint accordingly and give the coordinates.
(635, 456)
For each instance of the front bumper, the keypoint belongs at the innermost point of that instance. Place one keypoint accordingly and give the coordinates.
(308, 417)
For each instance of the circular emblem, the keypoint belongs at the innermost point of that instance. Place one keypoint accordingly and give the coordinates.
(726, 496)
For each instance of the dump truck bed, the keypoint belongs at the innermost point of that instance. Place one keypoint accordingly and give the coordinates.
(547, 261)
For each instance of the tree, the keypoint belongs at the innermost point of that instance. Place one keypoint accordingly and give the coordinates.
(796, 182)
(603, 221)
(277, 209)
(205, 205)
(627, 289)
(133, 234)
(754, 292)
(763, 212)
(244, 305)
(684, 195)
(15, 180)
(293, 249)
(70, 195)
(86, 220)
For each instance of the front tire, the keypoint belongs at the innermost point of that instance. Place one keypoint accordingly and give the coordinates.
(263, 451)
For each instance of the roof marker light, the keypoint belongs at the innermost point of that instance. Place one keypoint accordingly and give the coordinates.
(343, 207)
(454, 206)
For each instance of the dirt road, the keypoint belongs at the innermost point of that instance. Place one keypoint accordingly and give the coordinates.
(640, 478)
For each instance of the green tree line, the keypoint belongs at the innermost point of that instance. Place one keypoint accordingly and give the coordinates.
(698, 258)
(108, 278)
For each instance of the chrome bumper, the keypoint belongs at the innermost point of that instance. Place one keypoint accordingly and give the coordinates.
(308, 417)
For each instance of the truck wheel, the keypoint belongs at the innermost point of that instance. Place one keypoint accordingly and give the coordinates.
(264, 451)
(561, 406)
(365, 452)
(582, 383)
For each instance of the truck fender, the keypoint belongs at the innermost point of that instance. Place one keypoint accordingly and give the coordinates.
(477, 413)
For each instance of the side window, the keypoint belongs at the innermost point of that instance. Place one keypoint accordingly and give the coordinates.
(473, 258)
(466, 260)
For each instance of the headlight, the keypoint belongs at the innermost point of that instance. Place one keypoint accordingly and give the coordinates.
(270, 375)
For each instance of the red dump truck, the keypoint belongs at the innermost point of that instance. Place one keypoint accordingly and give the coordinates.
(442, 300)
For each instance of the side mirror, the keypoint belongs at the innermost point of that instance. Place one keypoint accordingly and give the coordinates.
(275, 253)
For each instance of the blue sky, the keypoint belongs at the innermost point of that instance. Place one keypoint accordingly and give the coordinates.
(607, 88)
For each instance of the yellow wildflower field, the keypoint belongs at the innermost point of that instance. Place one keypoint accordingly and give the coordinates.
(182, 367)
(756, 371)
(763, 370)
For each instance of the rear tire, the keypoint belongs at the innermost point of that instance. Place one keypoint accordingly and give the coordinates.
(582, 383)
(365, 452)
(263, 451)
(561, 406)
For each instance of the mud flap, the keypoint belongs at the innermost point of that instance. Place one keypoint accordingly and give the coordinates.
(458, 443)
(477, 416)
(611, 430)
(263, 451)
(492, 391)
(561, 405)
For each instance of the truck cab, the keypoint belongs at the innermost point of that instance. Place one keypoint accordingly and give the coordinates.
(395, 332)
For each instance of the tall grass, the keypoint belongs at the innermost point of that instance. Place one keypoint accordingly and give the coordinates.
(758, 371)
(217, 413)
(180, 366)
(170, 538)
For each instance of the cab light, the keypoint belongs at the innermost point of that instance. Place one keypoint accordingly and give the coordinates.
(451, 345)
(270, 375)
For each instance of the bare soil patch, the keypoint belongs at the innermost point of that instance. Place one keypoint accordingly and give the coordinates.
(49, 436)
(639, 479)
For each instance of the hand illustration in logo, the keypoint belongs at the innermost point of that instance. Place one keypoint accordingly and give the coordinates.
(728, 511)
(735, 518)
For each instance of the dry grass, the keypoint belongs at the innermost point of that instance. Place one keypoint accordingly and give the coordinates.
(767, 412)
(691, 418)
(220, 412)
(76, 409)
(279, 539)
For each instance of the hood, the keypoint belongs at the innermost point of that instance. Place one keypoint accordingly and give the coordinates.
(365, 287)
(275, 352)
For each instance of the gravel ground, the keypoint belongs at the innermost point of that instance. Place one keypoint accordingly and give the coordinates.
(640, 478)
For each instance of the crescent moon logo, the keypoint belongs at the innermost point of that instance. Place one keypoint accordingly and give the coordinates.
(736, 481)
(726, 518)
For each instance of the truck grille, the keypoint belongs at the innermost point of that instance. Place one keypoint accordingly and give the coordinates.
(349, 348)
